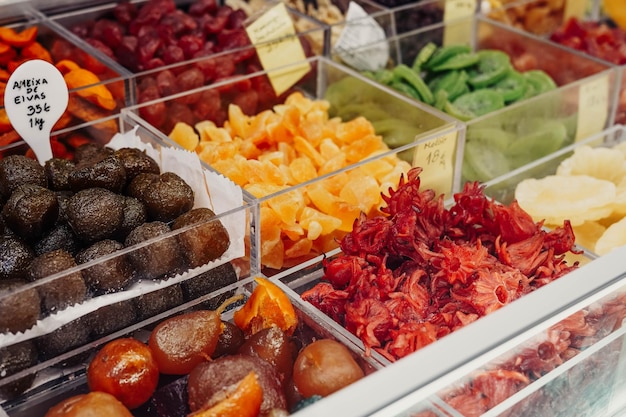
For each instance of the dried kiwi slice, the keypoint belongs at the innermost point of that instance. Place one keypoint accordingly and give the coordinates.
(454, 83)
(492, 66)
(474, 104)
(458, 61)
(407, 75)
(540, 81)
(512, 86)
(444, 53)
(423, 56)
(484, 161)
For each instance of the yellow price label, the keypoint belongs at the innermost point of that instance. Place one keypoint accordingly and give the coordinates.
(575, 8)
(458, 32)
(593, 107)
(436, 158)
(277, 46)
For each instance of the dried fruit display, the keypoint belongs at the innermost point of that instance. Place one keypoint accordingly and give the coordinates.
(291, 144)
(419, 271)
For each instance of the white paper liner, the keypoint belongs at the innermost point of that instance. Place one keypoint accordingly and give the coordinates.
(211, 190)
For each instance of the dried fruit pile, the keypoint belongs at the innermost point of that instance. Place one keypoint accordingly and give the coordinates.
(589, 189)
(259, 365)
(290, 145)
(421, 271)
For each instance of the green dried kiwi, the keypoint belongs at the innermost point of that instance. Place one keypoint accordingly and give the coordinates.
(484, 161)
(474, 104)
(444, 53)
(512, 86)
(406, 89)
(540, 81)
(456, 62)
(536, 139)
(404, 73)
(492, 66)
(492, 137)
(454, 83)
(441, 99)
(396, 132)
(384, 76)
(423, 56)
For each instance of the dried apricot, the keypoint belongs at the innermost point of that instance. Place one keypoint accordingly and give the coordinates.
(95, 92)
(18, 39)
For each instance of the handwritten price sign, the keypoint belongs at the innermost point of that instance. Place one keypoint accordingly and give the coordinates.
(436, 158)
(35, 98)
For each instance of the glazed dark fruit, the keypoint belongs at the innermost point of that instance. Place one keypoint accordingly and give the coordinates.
(107, 173)
(91, 404)
(209, 281)
(57, 172)
(126, 369)
(135, 215)
(95, 214)
(31, 211)
(67, 337)
(66, 290)
(230, 340)
(275, 347)
(16, 170)
(158, 301)
(110, 318)
(13, 359)
(205, 242)
(208, 379)
(165, 196)
(91, 152)
(20, 310)
(136, 161)
(159, 258)
(15, 256)
(60, 236)
(109, 275)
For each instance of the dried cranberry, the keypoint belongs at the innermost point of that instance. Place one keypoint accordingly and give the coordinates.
(108, 31)
(224, 66)
(153, 63)
(208, 106)
(173, 54)
(176, 24)
(248, 101)
(124, 12)
(166, 83)
(207, 66)
(191, 45)
(100, 46)
(215, 24)
(125, 52)
(147, 48)
(81, 30)
(190, 79)
(178, 112)
(202, 7)
(156, 113)
(236, 19)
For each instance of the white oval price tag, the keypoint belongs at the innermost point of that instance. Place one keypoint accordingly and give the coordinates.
(35, 98)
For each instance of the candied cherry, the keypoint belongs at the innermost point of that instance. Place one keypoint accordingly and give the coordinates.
(126, 369)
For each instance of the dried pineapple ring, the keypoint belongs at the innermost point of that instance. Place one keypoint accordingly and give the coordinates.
(602, 163)
(588, 233)
(619, 205)
(554, 198)
(613, 237)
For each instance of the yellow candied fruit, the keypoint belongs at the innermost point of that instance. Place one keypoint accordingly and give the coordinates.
(185, 136)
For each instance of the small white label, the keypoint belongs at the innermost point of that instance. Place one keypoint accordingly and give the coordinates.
(593, 107)
(436, 158)
(35, 98)
(458, 31)
(362, 43)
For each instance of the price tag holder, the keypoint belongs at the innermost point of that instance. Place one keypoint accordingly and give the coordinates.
(593, 107)
(458, 31)
(436, 158)
(36, 96)
(277, 47)
(362, 43)
(575, 8)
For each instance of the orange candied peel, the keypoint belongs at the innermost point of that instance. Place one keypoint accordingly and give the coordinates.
(267, 306)
(35, 50)
(18, 39)
(244, 401)
(96, 93)
(66, 65)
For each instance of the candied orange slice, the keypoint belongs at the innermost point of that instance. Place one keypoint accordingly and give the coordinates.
(244, 401)
(267, 306)
(96, 93)
(18, 39)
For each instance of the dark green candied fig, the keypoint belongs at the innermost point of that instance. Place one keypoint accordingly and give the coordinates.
(158, 301)
(95, 214)
(111, 318)
(58, 172)
(165, 196)
(136, 162)
(205, 241)
(158, 258)
(110, 275)
(16, 170)
(88, 153)
(31, 211)
(15, 257)
(65, 290)
(19, 310)
(107, 173)
(135, 214)
(209, 281)
(67, 337)
(13, 359)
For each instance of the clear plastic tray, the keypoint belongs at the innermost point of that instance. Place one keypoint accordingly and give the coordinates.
(89, 312)
(404, 124)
